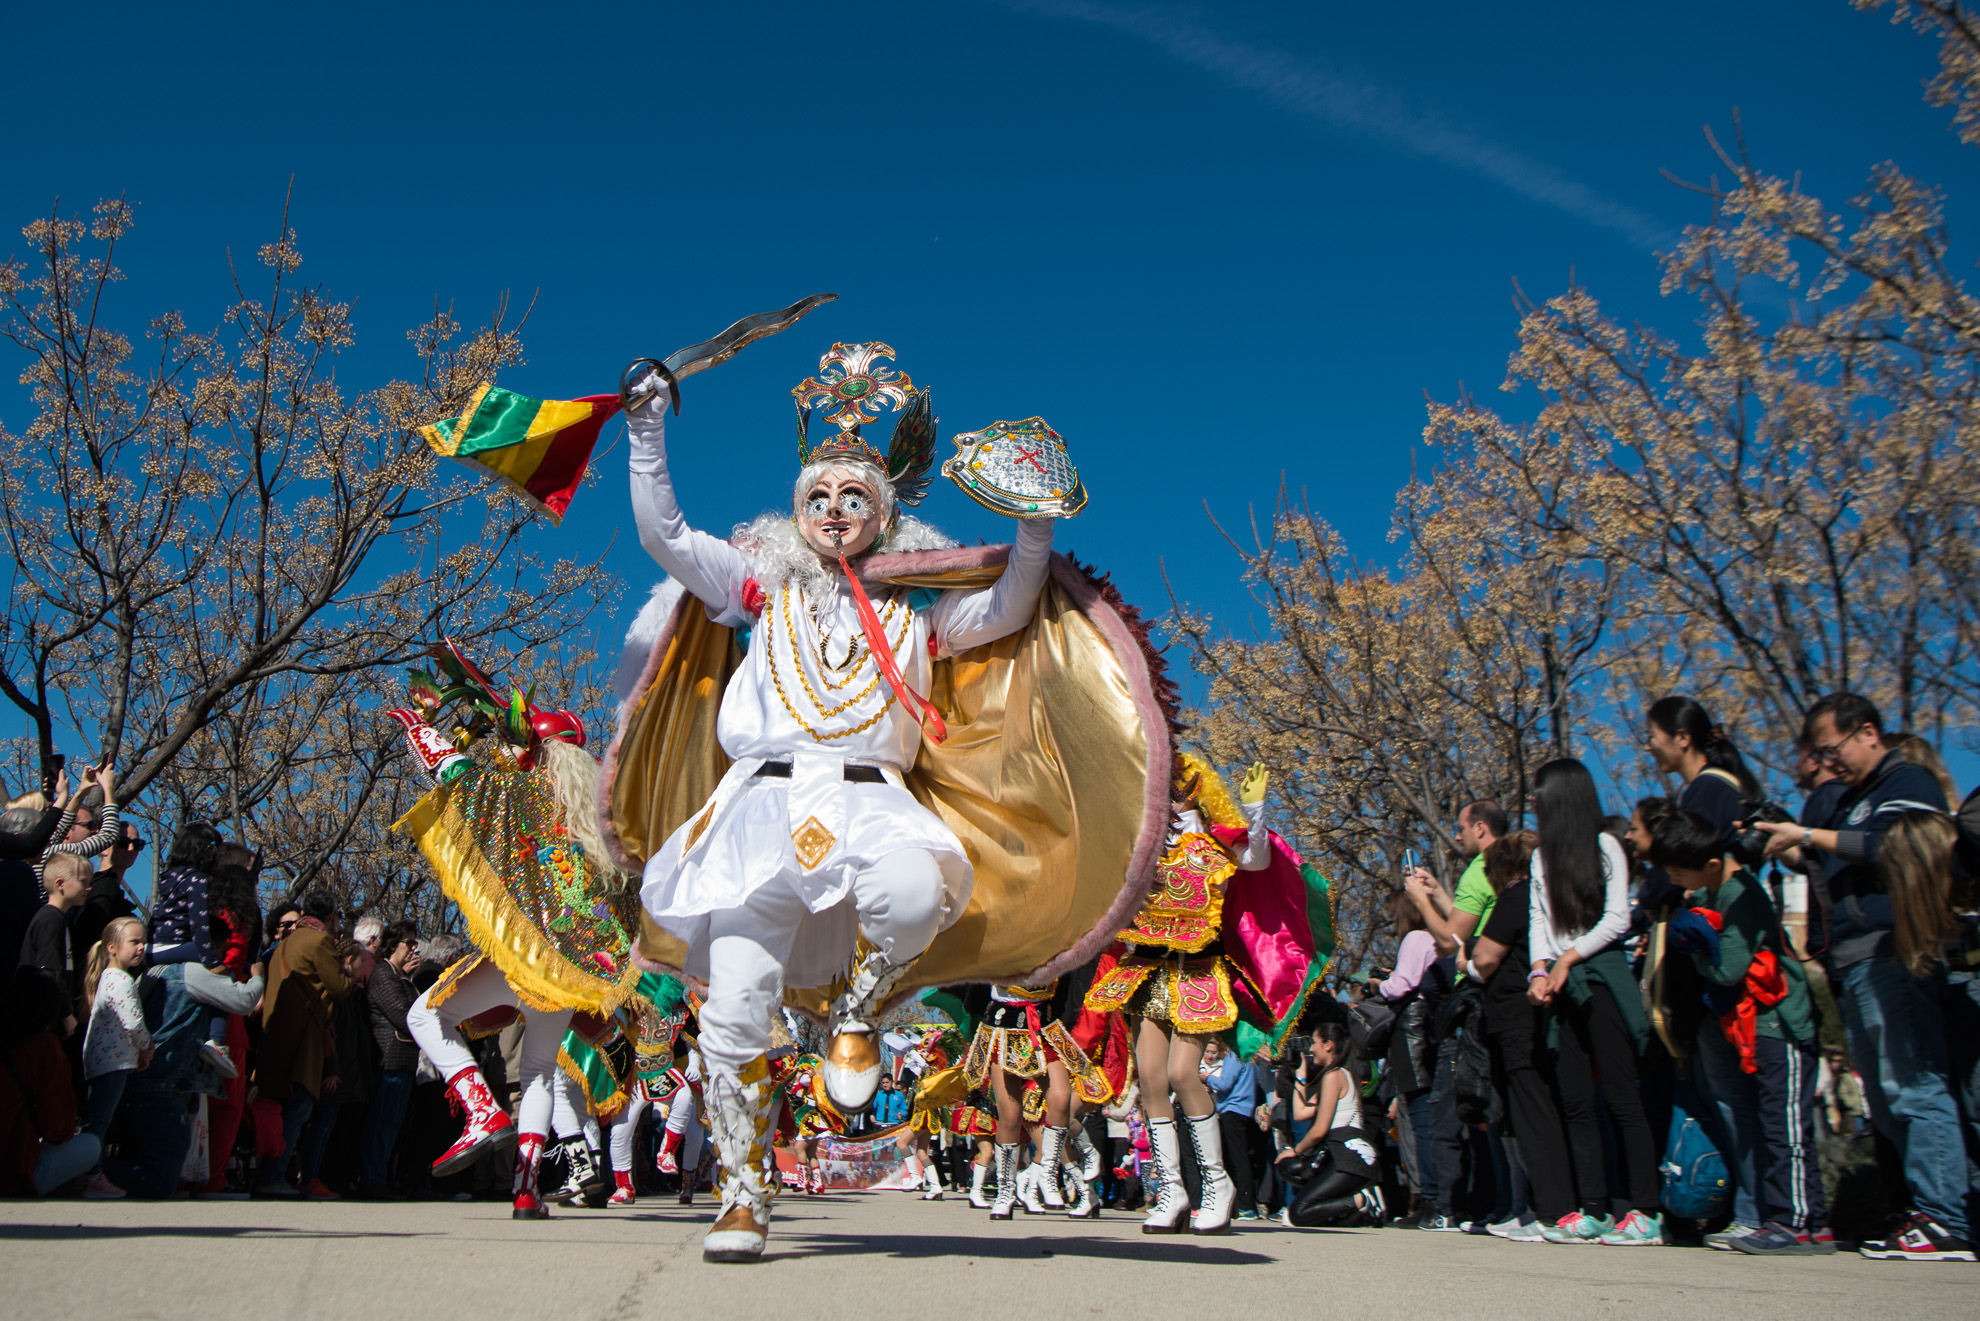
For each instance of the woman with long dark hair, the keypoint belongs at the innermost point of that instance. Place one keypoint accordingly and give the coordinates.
(1579, 910)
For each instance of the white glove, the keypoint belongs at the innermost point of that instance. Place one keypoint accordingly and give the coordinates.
(649, 398)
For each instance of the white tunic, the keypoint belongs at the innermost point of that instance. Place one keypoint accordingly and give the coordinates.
(796, 699)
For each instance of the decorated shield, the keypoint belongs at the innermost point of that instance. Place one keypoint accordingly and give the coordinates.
(1020, 469)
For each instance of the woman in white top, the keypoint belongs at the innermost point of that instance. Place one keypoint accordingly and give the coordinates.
(1578, 912)
(1340, 1189)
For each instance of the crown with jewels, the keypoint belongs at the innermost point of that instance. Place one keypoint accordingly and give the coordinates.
(854, 388)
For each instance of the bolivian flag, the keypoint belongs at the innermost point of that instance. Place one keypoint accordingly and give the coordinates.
(538, 446)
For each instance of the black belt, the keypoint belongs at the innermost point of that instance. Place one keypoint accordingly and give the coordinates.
(781, 770)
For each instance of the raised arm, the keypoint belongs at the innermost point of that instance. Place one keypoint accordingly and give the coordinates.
(1256, 852)
(970, 619)
(710, 568)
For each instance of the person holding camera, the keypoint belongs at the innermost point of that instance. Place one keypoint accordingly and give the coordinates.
(1333, 1167)
(1766, 1019)
(1895, 1021)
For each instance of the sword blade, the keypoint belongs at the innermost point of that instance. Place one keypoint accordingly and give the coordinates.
(714, 352)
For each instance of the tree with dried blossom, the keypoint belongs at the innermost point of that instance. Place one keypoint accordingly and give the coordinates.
(1780, 504)
(222, 557)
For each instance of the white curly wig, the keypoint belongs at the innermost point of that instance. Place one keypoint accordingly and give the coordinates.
(780, 551)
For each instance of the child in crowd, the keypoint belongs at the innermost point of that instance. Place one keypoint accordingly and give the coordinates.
(116, 1044)
(182, 922)
(1759, 995)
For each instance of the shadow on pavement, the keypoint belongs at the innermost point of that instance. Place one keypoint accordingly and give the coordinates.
(1009, 1249)
(54, 1233)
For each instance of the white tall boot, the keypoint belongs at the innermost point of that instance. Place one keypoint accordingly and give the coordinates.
(851, 1065)
(1051, 1150)
(1169, 1207)
(1027, 1189)
(1082, 1149)
(979, 1174)
(1219, 1193)
(739, 1116)
(1007, 1182)
(931, 1182)
(1085, 1206)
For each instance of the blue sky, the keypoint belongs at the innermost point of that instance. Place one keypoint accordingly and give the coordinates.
(1212, 245)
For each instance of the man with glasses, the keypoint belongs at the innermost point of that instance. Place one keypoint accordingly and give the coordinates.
(108, 898)
(1895, 1022)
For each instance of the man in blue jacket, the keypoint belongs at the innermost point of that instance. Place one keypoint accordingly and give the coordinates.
(1895, 1022)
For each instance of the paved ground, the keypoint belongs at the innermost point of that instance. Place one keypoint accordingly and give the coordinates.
(871, 1255)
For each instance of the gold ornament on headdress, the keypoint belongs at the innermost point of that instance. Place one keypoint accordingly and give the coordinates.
(854, 388)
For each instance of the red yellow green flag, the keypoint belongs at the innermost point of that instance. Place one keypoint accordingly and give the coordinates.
(538, 446)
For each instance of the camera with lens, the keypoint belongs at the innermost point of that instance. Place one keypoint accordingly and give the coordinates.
(1747, 842)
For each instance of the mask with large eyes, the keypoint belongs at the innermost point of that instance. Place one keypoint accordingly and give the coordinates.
(851, 503)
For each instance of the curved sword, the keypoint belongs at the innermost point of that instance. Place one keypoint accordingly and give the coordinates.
(716, 351)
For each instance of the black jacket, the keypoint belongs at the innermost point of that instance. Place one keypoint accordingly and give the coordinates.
(1859, 906)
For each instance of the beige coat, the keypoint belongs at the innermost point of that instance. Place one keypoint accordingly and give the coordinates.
(304, 976)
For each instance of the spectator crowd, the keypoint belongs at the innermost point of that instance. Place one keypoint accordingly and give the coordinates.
(1707, 1019)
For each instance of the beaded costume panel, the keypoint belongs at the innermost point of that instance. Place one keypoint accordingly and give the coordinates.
(1186, 910)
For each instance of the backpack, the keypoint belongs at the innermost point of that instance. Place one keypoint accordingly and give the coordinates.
(1369, 1025)
(1696, 1183)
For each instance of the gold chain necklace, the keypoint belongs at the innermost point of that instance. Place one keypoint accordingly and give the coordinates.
(797, 658)
(856, 649)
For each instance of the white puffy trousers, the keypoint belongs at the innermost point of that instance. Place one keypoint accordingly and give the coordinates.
(626, 1126)
(438, 1033)
(569, 1114)
(900, 904)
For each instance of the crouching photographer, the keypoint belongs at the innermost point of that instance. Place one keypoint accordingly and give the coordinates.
(1334, 1166)
(1895, 1020)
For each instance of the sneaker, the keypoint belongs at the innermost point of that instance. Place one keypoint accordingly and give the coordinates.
(1637, 1230)
(1439, 1223)
(1724, 1240)
(1577, 1227)
(1284, 1217)
(1775, 1239)
(1922, 1239)
(100, 1189)
(318, 1191)
(1528, 1230)
(275, 1190)
(1473, 1227)
(1246, 1215)
(215, 1054)
(1822, 1242)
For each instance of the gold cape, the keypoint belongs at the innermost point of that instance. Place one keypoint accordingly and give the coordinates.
(1054, 775)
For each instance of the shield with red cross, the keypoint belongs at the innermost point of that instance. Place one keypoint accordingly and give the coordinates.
(1019, 469)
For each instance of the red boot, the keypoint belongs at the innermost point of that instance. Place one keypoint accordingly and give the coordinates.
(623, 1194)
(485, 1126)
(529, 1151)
(668, 1161)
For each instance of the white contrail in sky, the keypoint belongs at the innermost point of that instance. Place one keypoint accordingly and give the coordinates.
(1344, 101)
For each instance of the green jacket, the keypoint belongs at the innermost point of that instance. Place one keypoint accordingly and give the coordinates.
(1751, 925)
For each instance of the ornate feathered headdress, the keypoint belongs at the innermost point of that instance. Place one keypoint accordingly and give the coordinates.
(854, 389)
